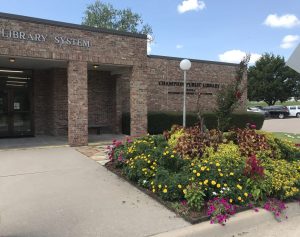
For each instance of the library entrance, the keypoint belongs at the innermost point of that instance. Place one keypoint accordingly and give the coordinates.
(15, 103)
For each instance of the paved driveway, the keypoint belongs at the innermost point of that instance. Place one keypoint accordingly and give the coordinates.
(59, 192)
(289, 125)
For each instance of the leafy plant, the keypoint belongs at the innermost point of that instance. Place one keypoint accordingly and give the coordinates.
(193, 142)
(195, 197)
(229, 97)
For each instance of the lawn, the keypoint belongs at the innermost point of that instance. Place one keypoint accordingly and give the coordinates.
(293, 137)
(256, 103)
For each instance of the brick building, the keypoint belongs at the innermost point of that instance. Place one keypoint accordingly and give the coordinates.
(65, 79)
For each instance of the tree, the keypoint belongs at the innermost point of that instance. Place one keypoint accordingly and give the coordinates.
(104, 15)
(230, 96)
(271, 80)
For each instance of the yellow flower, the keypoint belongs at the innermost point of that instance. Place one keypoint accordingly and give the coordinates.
(159, 186)
(153, 190)
(194, 171)
(239, 198)
(231, 173)
(230, 200)
(202, 168)
(246, 194)
(198, 174)
(218, 185)
(219, 170)
(239, 187)
(184, 191)
(205, 181)
(165, 190)
(217, 164)
(200, 183)
(179, 186)
(172, 156)
(213, 182)
(207, 169)
(192, 164)
(225, 185)
(221, 174)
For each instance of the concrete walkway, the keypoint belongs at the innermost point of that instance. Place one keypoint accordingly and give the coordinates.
(60, 192)
(52, 141)
(288, 125)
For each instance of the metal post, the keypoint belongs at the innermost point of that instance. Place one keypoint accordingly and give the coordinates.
(184, 98)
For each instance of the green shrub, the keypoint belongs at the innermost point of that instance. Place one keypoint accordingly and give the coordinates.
(170, 185)
(158, 122)
(238, 120)
(195, 197)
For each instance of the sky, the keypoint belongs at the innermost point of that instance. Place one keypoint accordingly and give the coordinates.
(208, 30)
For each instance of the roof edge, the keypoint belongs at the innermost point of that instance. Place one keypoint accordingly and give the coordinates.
(192, 60)
(69, 25)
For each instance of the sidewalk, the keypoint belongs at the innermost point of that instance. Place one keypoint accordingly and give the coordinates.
(59, 192)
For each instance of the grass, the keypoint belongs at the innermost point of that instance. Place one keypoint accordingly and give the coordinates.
(256, 103)
(293, 137)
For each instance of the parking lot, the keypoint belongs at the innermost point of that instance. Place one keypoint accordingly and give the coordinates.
(288, 125)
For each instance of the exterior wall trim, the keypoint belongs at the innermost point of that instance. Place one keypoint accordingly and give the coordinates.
(192, 60)
(68, 25)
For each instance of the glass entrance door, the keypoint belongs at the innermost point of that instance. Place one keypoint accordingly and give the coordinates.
(15, 104)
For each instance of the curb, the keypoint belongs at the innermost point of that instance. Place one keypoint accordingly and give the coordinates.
(236, 224)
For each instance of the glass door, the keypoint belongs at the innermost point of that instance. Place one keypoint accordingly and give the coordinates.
(15, 104)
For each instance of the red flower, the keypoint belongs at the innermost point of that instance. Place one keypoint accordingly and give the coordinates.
(238, 95)
(253, 126)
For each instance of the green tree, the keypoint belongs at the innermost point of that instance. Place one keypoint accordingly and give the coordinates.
(270, 80)
(104, 15)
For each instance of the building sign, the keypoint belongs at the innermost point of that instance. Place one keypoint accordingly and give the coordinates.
(38, 37)
(191, 87)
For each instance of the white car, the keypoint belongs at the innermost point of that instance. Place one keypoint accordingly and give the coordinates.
(294, 110)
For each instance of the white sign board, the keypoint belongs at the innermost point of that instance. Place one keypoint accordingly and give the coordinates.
(294, 60)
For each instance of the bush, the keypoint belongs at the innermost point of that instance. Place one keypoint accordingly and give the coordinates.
(238, 120)
(158, 122)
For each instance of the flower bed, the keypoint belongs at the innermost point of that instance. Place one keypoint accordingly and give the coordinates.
(199, 174)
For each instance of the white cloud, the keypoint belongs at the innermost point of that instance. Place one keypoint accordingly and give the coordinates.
(286, 21)
(179, 46)
(289, 41)
(236, 55)
(190, 5)
(150, 43)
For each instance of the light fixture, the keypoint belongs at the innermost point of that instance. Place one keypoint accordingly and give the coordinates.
(185, 65)
(13, 71)
(21, 78)
(18, 82)
(12, 60)
(95, 66)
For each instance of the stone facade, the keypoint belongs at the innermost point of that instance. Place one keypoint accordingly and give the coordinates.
(96, 75)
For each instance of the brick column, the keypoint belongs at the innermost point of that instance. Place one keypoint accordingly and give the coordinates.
(77, 103)
(138, 102)
(118, 104)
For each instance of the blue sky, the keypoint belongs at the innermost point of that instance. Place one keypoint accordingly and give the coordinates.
(209, 29)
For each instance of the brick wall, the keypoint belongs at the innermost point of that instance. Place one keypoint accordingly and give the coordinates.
(101, 99)
(170, 98)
